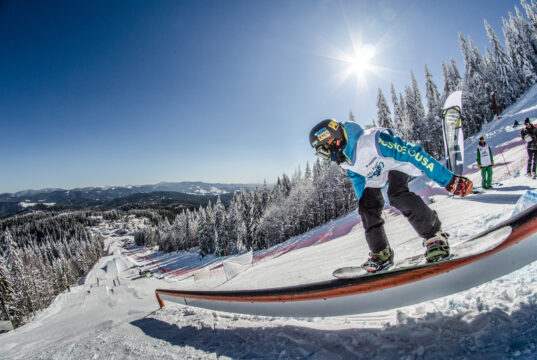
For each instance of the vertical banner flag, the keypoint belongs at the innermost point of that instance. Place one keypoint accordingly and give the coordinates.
(453, 136)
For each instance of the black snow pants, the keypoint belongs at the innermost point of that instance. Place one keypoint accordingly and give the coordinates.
(421, 217)
(532, 160)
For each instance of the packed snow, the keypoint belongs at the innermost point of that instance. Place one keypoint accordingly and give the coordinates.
(113, 313)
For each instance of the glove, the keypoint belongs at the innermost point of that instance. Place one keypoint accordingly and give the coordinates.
(479, 166)
(460, 186)
(492, 164)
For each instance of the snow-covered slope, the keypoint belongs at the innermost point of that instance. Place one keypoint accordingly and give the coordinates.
(114, 314)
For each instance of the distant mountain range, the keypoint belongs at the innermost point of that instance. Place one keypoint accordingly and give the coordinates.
(182, 192)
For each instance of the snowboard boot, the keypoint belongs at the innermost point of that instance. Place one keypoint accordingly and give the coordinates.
(379, 261)
(437, 247)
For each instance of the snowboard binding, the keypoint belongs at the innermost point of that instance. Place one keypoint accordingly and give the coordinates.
(379, 261)
(437, 247)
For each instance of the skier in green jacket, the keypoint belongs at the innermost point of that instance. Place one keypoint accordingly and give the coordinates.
(485, 161)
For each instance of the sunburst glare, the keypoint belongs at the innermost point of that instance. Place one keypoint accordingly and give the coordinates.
(357, 64)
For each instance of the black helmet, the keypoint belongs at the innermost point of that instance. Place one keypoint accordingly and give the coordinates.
(327, 137)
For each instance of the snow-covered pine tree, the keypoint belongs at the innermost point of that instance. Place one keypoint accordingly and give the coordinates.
(417, 111)
(384, 116)
(432, 139)
(297, 176)
(531, 12)
(415, 119)
(521, 46)
(219, 228)
(445, 72)
(452, 79)
(235, 227)
(397, 113)
(193, 225)
(265, 196)
(255, 215)
(270, 229)
(320, 192)
(247, 217)
(206, 231)
(180, 228)
(7, 301)
(410, 131)
(455, 75)
(503, 76)
(310, 200)
(476, 92)
(325, 185)
(38, 281)
(19, 285)
(285, 185)
(307, 172)
(406, 125)
(165, 240)
(526, 39)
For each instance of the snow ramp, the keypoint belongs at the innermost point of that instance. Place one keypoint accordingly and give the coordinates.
(383, 291)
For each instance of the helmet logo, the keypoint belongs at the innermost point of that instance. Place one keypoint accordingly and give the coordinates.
(333, 124)
(322, 134)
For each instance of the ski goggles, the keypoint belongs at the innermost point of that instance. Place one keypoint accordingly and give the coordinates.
(323, 152)
(328, 150)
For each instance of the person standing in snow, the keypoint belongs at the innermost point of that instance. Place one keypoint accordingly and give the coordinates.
(485, 161)
(529, 135)
(373, 158)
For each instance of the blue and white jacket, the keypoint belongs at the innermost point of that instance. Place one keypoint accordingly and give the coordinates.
(371, 154)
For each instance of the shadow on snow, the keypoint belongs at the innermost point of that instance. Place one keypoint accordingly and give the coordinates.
(491, 335)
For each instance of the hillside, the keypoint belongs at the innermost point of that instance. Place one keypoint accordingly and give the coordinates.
(493, 320)
(186, 194)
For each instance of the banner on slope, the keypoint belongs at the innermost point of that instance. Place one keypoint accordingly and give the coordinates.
(452, 130)
(235, 265)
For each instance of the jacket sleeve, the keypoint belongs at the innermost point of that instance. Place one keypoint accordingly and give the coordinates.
(394, 147)
(358, 181)
(478, 156)
(491, 156)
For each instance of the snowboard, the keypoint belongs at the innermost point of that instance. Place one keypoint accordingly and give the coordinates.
(480, 190)
(472, 246)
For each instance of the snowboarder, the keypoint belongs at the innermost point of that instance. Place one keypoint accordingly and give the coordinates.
(529, 135)
(485, 161)
(373, 158)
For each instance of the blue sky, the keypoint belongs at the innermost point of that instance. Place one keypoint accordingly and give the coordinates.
(99, 93)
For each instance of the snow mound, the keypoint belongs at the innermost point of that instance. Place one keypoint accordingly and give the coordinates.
(108, 269)
(528, 199)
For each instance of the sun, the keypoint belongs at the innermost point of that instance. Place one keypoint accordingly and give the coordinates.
(357, 64)
(360, 62)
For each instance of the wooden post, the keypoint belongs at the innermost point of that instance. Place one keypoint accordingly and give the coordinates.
(160, 302)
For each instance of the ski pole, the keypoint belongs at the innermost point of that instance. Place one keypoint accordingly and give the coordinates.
(505, 162)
